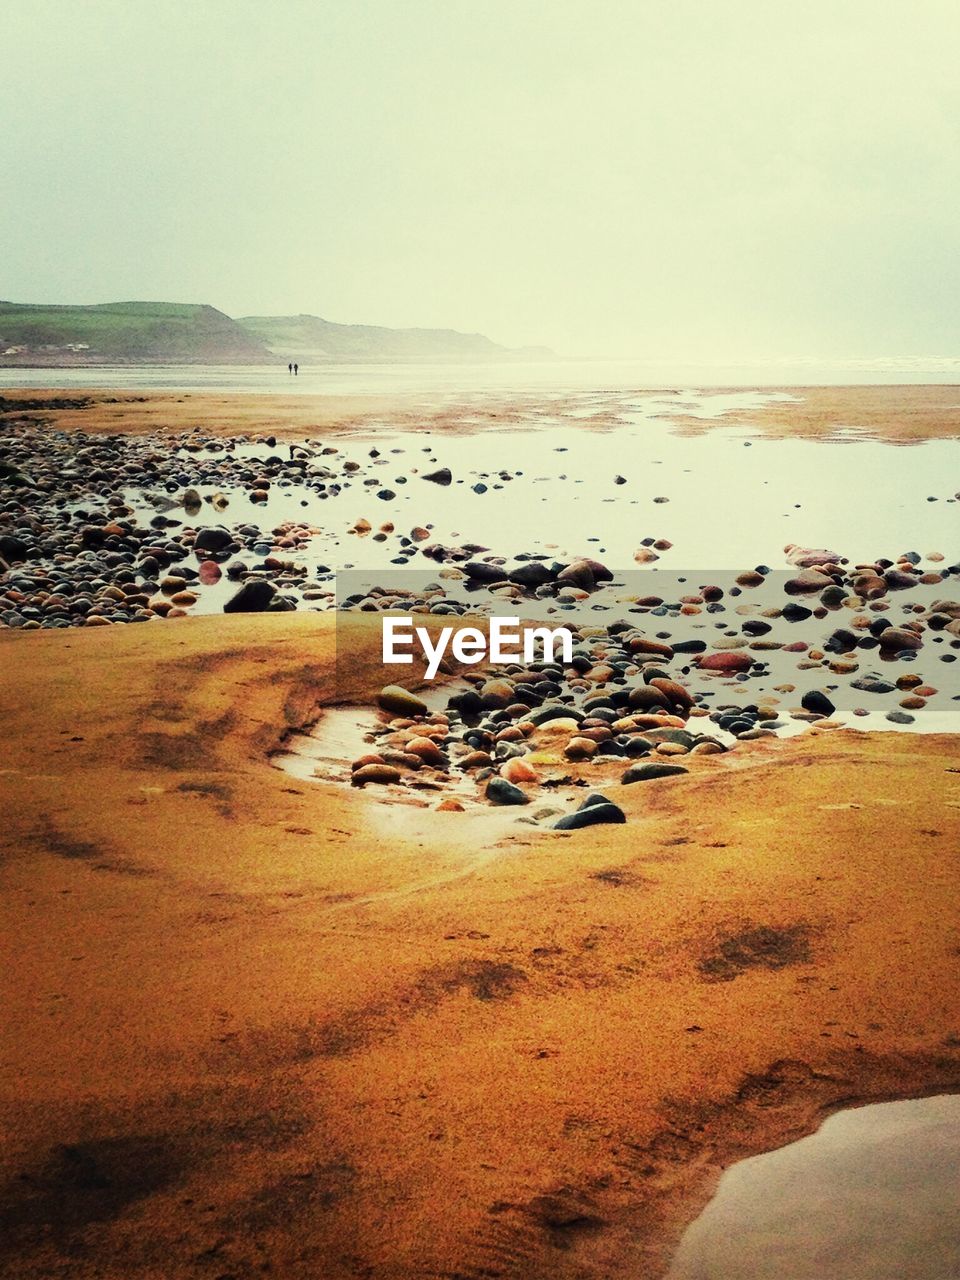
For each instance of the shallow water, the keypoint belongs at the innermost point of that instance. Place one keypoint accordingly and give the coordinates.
(873, 1195)
(503, 375)
(732, 502)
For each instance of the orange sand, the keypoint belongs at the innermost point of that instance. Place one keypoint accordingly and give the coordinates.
(258, 1027)
(899, 415)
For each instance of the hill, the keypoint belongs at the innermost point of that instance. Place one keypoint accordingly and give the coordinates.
(121, 332)
(310, 337)
(192, 333)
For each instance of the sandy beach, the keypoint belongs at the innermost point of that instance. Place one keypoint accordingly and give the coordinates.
(248, 1025)
(259, 1025)
(894, 414)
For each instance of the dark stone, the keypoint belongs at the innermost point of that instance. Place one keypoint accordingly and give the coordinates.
(532, 574)
(819, 703)
(650, 769)
(483, 571)
(595, 811)
(215, 540)
(12, 549)
(254, 596)
(554, 711)
(500, 791)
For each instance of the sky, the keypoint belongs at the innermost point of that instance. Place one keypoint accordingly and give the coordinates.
(663, 179)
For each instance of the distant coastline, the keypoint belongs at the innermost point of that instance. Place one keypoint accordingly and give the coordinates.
(35, 335)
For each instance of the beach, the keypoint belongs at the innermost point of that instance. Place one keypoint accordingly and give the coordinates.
(250, 1024)
(261, 1022)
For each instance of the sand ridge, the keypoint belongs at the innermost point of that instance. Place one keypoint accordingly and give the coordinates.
(245, 1027)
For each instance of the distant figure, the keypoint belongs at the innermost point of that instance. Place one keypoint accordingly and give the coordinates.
(290, 367)
(296, 369)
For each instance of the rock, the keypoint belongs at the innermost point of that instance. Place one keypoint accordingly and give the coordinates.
(677, 694)
(814, 700)
(254, 596)
(483, 571)
(518, 770)
(379, 773)
(210, 572)
(580, 749)
(401, 702)
(646, 696)
(428, 750)
(893, 639)
(651, 769)
(500, 791)
(554, 711)
(497, 694)
(807, 557)
(532, 574)
(727, 662)
(900, 717)
(806, 582)
(872, 684)
(12, 549)
(584, 574)
(442, 476)
(215, 540)
(869, 586)
(579, 574)
(468, 703)
(830, 597)
(596, 810)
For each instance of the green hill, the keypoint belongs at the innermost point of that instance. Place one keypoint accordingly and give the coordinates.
(191, 333)
(124, 331)
(308, 337)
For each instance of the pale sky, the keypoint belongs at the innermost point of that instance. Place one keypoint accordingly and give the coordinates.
(703, 179)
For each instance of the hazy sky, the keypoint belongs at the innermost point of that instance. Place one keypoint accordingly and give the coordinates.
(663, 178)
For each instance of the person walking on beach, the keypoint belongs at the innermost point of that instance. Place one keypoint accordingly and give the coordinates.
(296, 369)
(290, 367)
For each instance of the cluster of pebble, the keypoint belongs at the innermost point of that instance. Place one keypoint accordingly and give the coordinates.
(516, 728)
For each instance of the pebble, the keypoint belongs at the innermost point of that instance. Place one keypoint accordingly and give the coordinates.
(378, 773)
(255, 596)
(500, 791)
(596, 810)
(816, 701)
(649, 770)
(401, 702)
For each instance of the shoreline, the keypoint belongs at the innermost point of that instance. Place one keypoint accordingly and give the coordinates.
(262, 1015)
(905, 414)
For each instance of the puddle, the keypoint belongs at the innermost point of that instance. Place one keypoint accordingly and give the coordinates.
(873, 1195)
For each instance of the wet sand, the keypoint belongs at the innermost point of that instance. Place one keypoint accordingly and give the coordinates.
(894, 414)
(252, 1027)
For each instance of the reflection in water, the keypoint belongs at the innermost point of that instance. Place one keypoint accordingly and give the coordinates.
(873, 1195)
